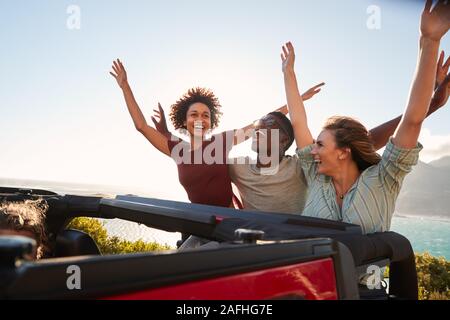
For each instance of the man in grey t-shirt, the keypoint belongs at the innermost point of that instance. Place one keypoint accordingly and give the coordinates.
(265, 185)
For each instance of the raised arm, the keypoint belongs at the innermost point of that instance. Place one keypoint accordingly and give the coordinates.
(434, 24)
(382, 133)
(158, 140)
(240, 135)
(311, 92)
(295, 104)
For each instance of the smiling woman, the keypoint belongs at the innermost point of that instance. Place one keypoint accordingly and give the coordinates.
(347, 180)
(196, 112)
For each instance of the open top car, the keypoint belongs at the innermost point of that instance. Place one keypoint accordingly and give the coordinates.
(253, 255)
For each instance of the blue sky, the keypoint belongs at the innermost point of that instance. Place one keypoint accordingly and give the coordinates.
(63, 117)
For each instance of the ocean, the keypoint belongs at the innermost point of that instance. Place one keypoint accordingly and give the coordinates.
(424, 234)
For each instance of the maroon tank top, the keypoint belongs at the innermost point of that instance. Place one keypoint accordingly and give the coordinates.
(204, 173)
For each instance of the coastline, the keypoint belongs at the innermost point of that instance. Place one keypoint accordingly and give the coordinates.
(422, 217)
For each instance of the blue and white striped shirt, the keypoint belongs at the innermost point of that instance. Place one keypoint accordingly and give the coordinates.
(370, 202)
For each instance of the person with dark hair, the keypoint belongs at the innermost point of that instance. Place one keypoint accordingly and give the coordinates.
(26, 219)
(347, 180)
(282, 187)
(201, 162)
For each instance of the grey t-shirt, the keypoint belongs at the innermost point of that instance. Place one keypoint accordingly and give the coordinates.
(283, 190)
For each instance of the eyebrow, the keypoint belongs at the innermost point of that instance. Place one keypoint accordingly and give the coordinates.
(195, 111)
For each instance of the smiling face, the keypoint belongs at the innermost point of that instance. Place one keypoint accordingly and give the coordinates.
(327, 155)
(262, 136)
(198, 119)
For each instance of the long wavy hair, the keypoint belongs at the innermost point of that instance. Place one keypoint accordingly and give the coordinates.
(350, 133)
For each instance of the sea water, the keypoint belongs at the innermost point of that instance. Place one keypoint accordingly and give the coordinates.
(425, 234)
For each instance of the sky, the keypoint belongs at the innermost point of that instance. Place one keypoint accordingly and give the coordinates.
(63, 117)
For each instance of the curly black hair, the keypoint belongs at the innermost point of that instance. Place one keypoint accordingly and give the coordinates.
(179, 110)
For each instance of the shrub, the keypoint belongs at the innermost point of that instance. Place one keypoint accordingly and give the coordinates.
(434, 277)
(112, 245)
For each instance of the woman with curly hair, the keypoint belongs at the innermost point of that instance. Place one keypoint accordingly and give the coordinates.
(202, 163)
(347, 180)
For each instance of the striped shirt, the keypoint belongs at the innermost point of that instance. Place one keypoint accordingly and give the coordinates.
(370, 202)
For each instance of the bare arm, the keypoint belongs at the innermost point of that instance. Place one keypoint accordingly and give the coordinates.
(302, 134)
(382, 133)
(311, 92)
(434, 24)
(240, 135)
(158, 140)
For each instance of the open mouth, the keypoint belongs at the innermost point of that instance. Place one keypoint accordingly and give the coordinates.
(198, 126)
(317, 161)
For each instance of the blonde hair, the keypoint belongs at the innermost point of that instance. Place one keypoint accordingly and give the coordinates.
(350, 133)
(28, 215)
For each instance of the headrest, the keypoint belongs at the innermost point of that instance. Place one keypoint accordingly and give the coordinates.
(75, 243)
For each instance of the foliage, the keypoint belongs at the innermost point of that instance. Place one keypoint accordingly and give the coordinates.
(434, 277)
(112, 245)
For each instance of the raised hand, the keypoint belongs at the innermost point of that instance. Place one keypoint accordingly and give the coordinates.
(159, 120)
(442, 69)
(288, 57)
(435, 23)
(119, 73)
(312, 91)
(442, 92)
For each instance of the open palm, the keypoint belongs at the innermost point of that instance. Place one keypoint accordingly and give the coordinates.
(442, 90)
(288, 57)
(442, 69)
(119, 73)
(434, 24)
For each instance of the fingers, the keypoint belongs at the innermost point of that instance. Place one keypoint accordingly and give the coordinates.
(121, 65)
(446, 65)
(115, 70)
(441, 59)
(290, 47)
(157, 113)
(154, 122)
(428, 6)
(116, 65)
(115, 77)
(285, 52)
(318, 85)
(446, 80)
(161, 110)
